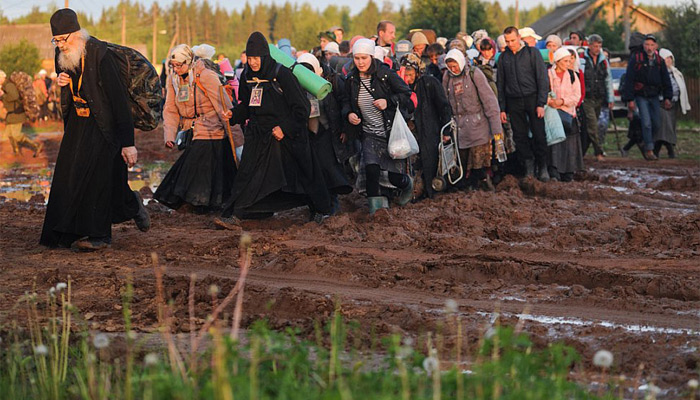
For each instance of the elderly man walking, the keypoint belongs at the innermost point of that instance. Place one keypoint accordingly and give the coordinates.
(599, 90)
(89, 191)
(647, 79)
(523, 87)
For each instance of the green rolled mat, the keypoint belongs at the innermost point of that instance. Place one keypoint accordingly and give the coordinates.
(311, 82)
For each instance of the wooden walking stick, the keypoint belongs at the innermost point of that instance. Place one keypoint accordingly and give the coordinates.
(226, 105)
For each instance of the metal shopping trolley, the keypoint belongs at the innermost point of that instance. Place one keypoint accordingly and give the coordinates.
(449, 163)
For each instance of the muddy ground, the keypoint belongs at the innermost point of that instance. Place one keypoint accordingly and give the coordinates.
(610, 261)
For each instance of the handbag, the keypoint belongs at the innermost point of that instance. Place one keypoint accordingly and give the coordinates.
(553, 126)
(185, 136)
(402, 143)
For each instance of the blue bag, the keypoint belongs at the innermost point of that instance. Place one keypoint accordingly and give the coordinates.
(553, 126)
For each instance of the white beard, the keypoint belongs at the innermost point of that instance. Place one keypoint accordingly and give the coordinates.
(69, 59)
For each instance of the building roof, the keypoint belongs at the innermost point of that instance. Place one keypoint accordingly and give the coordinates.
(566, 14)
(37, 34)
(560, 17)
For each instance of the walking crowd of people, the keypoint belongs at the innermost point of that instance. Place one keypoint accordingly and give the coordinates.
(256, 141)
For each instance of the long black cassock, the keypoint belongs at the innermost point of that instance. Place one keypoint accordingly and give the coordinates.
(90, 191)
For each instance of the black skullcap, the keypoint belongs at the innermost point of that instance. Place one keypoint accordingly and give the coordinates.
(64, 21)
(257, 45)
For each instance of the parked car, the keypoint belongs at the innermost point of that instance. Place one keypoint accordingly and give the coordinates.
(619, 108)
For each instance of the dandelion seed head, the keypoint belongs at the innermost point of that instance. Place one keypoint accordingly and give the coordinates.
(61, 286)
(100, 341)
(41, 350)
(151, 359)
(246, 240)
(603, 359)
(52, 292)
(693, 384)
(431, 364)
(451, 306)
(213, 290)
(491, 332)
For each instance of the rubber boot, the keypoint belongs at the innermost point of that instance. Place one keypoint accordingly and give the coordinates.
(542, 174)
(671, 150)
(377, 203)
(15, 149)
(406, 193)
(529, 168)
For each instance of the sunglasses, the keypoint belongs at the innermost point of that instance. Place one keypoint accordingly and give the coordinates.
(56, 42)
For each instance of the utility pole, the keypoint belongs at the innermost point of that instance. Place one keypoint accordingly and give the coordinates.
(123, 24)
(463, 16)
(626, 5)
(155, 33)
(517, 14)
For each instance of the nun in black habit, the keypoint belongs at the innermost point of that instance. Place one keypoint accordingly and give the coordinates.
(277, 169)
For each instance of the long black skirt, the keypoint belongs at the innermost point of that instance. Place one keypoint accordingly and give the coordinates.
(333, 173)
(202, 177)
(90, 189)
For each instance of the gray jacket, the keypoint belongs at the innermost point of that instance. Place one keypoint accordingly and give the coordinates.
(475, 107)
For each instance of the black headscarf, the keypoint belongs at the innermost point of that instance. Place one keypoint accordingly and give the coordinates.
(257, 46)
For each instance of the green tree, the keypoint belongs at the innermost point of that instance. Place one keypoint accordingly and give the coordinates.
(681, 37)
(443, 16)
(21, 56)
(612, 34)
(365, 22)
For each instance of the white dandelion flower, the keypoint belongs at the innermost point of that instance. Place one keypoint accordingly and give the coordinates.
(100, 341)
(61, 286)
(693, 384)
(451, 306)
(151, 359)
(431, 364)
(603, 359)
(41, 350)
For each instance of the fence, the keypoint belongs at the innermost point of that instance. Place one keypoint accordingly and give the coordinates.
(693, 85)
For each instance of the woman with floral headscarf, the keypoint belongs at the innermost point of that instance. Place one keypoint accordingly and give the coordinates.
(432, 113)
(666, 135)
(204, 173)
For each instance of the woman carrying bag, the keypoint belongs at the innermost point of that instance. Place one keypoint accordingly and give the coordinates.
(204, 173)
(475, 108)
(566, 157)
(374, 92)
(666, 135)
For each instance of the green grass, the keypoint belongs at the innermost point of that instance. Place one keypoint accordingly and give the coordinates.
(687, 146)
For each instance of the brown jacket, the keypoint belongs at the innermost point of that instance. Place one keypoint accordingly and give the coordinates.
(179, 115)
(474, 106)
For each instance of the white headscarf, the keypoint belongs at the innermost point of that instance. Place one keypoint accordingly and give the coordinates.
(380, 52)
(561, 53)
(363, 46)
(680, 80)
(458, 57)
(204, 51)
(311, 60)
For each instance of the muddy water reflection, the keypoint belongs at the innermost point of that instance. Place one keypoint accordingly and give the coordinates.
(24, 181)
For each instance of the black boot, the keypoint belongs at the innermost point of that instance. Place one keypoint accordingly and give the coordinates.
(657, 148)
(542, 174)
(529, 168)
(671, 150)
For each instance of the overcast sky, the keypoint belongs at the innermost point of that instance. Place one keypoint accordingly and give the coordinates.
(16, 8)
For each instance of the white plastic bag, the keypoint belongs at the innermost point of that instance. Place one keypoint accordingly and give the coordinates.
(402, 144)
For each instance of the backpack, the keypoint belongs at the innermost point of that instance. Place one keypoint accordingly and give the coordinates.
(145, 93)
(636, 41)
(25, 87)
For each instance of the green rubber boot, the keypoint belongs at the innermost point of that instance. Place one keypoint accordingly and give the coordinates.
(377, 203)
(406, 194)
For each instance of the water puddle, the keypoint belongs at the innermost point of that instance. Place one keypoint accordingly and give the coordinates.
(23, 182)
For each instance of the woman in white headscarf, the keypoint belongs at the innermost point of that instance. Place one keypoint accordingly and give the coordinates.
(204, 173)
(666, 135)
(375, 95)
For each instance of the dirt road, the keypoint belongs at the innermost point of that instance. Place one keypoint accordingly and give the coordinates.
(611, 261)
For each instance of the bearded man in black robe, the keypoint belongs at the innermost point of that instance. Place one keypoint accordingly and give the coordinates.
(90, 191)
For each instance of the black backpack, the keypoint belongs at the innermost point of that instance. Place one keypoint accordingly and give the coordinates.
(636, 41)
(145, 93)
